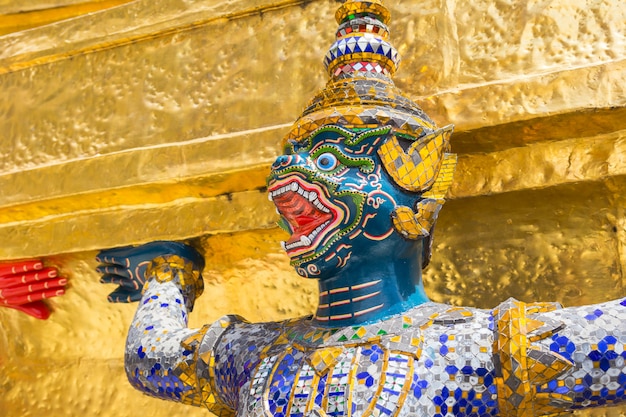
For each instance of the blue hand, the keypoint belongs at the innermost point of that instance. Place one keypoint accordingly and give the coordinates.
(126, 267)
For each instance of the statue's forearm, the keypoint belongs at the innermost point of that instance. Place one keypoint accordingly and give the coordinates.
(593, 341)
(160, 349)
(551, 360)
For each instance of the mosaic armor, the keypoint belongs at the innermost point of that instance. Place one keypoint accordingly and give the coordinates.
(432, 360)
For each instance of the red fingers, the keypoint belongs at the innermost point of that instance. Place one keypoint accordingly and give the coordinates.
(25, 284)
(20, 267)
(27, 278)
(29, 298)
(37, 309)
(51, 284)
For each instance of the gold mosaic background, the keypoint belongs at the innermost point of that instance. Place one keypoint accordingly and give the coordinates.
(128, 121)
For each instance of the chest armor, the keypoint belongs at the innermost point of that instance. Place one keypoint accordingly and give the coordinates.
(376, 370)
(358, 381)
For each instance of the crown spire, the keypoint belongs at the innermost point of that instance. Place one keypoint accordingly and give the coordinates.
(361, 44)
(360, 92)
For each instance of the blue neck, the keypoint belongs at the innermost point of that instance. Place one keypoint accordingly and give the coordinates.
(371, 288)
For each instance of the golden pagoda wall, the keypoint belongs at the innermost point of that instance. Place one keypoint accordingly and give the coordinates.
(159, 119)
(16, 16)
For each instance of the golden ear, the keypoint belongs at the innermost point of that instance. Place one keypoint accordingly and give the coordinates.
(444, 178)
(416, 224)
(417, 168)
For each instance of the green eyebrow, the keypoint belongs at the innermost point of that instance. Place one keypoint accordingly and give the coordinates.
(365, 164)
(351, 138)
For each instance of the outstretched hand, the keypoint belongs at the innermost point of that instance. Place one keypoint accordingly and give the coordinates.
(126, 267)
(25, 284)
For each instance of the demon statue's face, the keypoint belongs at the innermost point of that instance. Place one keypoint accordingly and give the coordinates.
(335, 199)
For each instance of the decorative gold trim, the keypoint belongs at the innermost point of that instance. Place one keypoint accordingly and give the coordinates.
(189, 374)
(170, 268)
(417, 168)
(523, 367)
(23, 20)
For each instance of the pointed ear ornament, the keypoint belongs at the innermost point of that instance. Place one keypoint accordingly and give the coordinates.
(419, 223)
(416, 169)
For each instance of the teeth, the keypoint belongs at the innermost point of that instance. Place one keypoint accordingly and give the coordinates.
(312, 196)
(319, 229)
(292, 245)
(305, 240)
(319, 205)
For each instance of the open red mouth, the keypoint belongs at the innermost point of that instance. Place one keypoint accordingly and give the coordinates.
(309, 214)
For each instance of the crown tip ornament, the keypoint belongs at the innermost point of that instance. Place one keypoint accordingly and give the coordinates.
(361, 45)
(351, 9)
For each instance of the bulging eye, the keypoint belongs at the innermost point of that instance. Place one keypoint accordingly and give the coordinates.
(326, 161)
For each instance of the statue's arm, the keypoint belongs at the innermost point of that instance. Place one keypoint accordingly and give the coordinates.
(593, 340)
(160, 357)
(164, 358)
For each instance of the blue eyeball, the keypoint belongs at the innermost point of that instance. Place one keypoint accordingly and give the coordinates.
(327, 161)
